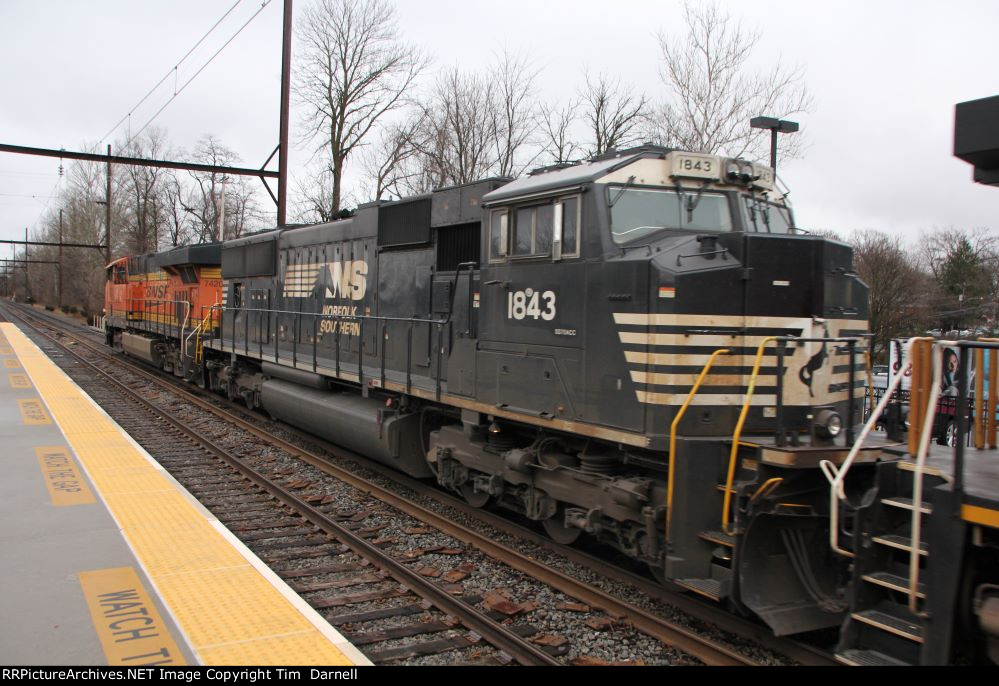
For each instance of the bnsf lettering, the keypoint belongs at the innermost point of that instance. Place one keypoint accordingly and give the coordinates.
(157, 292)
(347, 279)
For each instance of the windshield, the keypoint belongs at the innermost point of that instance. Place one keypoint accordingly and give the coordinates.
(638, 212)
(766, 217)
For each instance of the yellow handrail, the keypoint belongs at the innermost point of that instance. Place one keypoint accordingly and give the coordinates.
(738, 431)
(768, 485)
(198, 345)
(672, 433)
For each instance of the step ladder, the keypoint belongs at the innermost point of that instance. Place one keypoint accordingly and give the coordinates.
(719, 543)
(881, 628)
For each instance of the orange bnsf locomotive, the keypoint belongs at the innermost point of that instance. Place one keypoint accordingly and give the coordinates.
(155, 304)
(642, 349)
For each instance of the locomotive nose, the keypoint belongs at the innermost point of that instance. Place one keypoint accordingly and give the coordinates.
(735, 291)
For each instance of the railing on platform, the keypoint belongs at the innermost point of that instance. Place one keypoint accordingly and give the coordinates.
(156, 316)
(852, 348)
(924, 363)
(270, 324)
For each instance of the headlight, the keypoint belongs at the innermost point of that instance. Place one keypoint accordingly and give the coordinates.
(828, 423)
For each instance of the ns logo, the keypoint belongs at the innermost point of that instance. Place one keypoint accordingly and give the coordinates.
(347, 279)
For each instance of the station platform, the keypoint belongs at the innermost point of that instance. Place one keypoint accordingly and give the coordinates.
(109, 561)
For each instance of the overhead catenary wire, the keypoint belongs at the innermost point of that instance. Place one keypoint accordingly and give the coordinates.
(22, 195)
(171, 71)
(180, 90)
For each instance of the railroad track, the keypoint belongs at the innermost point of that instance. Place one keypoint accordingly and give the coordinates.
(286, 531)
(670, 633)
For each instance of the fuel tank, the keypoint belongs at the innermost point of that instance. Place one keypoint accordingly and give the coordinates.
(363, 425)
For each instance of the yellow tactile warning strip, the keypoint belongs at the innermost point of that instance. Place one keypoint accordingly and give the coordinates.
(232, 609)
(128, 625)
(62, 477)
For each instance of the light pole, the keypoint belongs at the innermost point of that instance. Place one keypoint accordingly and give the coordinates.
(775, 126)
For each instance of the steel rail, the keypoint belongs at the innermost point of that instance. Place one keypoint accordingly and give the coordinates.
(672, 634)
(492, 632)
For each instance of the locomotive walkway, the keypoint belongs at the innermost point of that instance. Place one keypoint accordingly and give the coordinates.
(110, 561)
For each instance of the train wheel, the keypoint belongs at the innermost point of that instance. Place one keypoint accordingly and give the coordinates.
(557, 530)
(472, 497)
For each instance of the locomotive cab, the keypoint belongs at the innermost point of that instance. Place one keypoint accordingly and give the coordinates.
(611, 283)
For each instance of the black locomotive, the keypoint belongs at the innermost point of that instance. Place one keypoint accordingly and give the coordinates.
(531, 342)
(642, 348)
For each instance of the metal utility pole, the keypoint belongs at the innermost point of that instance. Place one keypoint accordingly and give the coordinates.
(26, 296)
(282, 199)
(60, 258)
(107, 243)
(221, 236)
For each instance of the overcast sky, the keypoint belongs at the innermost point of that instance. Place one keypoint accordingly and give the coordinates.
(884, 75)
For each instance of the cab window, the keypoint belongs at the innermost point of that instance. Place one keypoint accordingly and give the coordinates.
(766, 217)
(497, 235)
(639, 212)
(531, 230)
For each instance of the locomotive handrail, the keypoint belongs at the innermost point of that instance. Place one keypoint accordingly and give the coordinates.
(672, 434)
(836, 476)
(750, 388)
(438, 323)
(199, 329)
(372, 317)
(917, 486)
(158, 315)
(870, 380)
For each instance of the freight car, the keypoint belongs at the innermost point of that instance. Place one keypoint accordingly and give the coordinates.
(641, 348)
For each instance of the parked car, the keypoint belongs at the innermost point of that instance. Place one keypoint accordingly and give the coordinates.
(879, 377)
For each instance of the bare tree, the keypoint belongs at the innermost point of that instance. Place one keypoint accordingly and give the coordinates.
(558, 141)
(457, 142)
(242, 213)
(352, 70)
(139, 194)
(387, 163)
(614, 114)
(893, 277)
(711, 94)
(178, 222)
(514, 108)
(315, 196)
(209, 191)
(83, 222)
